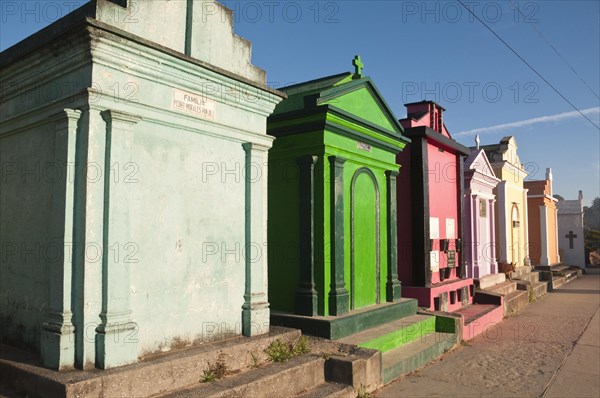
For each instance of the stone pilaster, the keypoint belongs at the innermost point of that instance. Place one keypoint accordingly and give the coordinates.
(392, 285)
(475, 234)
(58, 335)
(339, 297)
(525, 226)
(306, 294)
(504, 223)
(255, 310)
(492, 218)
(544, 253)
(555, 237)
(116, 341)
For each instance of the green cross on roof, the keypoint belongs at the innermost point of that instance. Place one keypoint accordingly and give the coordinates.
(358, 66)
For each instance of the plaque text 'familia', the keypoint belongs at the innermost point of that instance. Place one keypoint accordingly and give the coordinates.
(194, 104)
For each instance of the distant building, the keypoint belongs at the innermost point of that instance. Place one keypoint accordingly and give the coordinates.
(571, 232)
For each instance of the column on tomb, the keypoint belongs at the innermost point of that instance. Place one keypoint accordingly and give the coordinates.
(492, 248)
(306, 295)
(114, 346)
(504, 223)
(339, 297)
(544, 250)
(556, 234)
(255, 310)
(57, 339)
(393, 286)
(525, 229)
(475, 235)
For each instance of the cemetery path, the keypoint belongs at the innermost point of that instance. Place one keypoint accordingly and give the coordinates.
(550, 349)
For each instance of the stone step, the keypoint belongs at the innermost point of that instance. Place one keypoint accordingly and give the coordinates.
(329, 390)
(473, 312)
(489, 281)
(393, 334)
(522, 270)
(415, 354)
(503, 288)
(515, 302)
(538, 290)
(575, 273)
(478, 317)
(571, 274)
(534, 289)
(337, 327)
(557, 281)
(532, 277)
(559, 269)
(169, 371)
(289, 378)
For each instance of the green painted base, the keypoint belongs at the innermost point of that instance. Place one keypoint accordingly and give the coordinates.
(339, 302)
(255, 319)
(58, 350)
(337, 327)
(116, 345)
(393, 291)
(401, 335)
(307, 302)
(447, 324)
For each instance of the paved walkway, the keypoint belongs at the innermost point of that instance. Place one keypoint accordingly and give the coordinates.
(550, 349)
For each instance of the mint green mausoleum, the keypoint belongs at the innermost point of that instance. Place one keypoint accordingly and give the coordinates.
(133, 188)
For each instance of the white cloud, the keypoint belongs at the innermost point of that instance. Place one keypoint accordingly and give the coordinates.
(542, 119)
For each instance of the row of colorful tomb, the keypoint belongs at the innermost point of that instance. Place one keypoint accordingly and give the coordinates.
(366, 230)
(363, 229)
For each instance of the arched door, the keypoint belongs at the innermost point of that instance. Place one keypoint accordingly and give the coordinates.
(515, 229)
(365, 240)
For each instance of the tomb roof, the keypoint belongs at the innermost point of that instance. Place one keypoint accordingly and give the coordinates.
(198, 32)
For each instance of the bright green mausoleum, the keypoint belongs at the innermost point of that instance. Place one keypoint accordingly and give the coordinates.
(332, 197)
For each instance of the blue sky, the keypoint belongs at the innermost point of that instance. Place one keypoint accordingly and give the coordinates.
(434, 50)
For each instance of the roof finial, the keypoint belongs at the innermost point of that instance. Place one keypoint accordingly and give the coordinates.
(358, 66)
(477, 141)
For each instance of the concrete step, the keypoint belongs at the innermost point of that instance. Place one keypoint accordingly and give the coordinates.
(489, 281)
(161, 373)
(337, 327)
(393, 334)
(417, 353)
(522, 270)
(535, 290)
(572, 274)
(565, 275)
(515, 302)
(557, 281)
(559, 269)
(503, 288)
(538, 290)
(329, 390)
(532, 277)
(478, 317)
(289, 378)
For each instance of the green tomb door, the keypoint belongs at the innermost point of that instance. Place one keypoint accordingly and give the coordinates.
(365, 240)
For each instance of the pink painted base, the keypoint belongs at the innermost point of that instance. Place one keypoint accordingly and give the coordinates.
(426, 295)
(486, 324)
